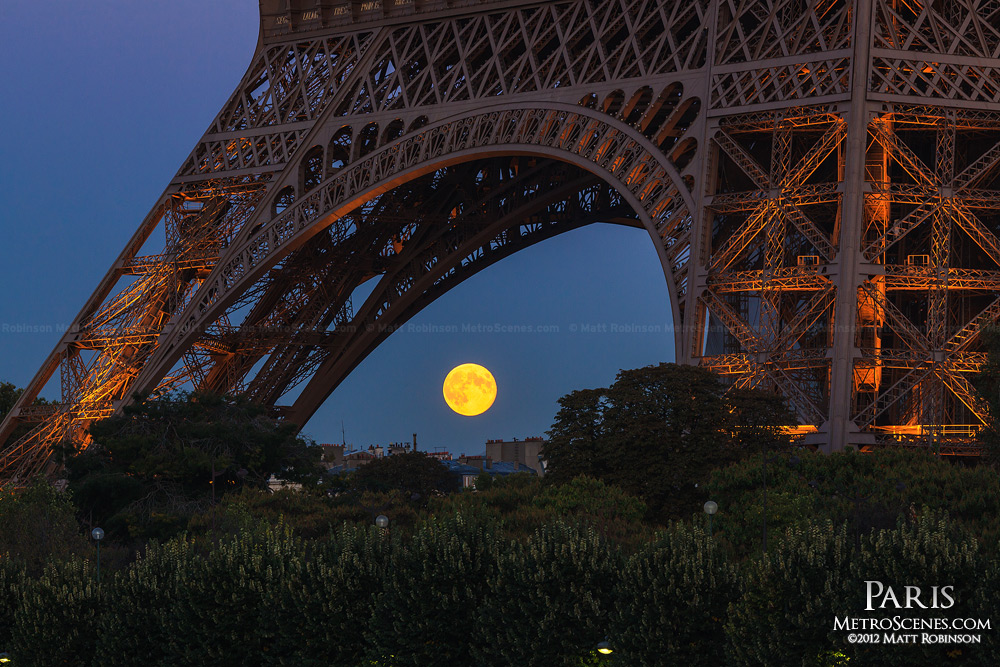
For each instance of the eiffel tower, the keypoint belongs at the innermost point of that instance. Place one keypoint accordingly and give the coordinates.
(819, 179)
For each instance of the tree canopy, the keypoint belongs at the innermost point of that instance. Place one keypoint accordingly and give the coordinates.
(658, 431)
(9, 393)
(38, 525)
(413, 473)
(867, 492)
(166, 457)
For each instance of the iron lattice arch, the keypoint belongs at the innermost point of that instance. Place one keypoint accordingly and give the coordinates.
(818, 180)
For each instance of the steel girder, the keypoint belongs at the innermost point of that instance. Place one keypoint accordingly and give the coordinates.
(819, 181)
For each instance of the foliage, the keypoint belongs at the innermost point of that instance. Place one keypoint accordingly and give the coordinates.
(337, 598)
(9, 393)
(592, 498)
(57, 615)
(39, 525)
(505, 495)
(658, 431)
(217, 608)
(457, 592)
(558, 579)
(144, 599)
(929, 551)
(166, 457)
(309, 515)
(523, 504)
(614, 513)
(758, 420)
(306, 515)
(417, 475)
(671, 601)
(244, 574)
(868, 491)
(11, 578)
(520, 571)
(260, 597)
(425, 613)
(789, 598)
(784, 611)
(483, 482)
(509, 500)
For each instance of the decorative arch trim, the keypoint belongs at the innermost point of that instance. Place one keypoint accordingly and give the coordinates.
(606, 147)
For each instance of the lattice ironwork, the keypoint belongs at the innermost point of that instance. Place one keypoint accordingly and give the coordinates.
(819, 180)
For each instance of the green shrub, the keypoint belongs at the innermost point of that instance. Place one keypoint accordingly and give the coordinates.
(426, 613)
(868, 491)
(550, 599)
(929, 551)
(326, 609)
(39, 525)
(144, 600)
(57, 615)
(787, 599)
(671, 601)
(11, 579)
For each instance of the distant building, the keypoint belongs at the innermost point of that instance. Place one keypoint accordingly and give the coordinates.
(470, 467)
(339, 459)
(440, 455)
(354, 460)
(525, 452)
(467, 474)
(333, 455)
(504, 468)
(394, 448)
(275, 484)
(477, 462)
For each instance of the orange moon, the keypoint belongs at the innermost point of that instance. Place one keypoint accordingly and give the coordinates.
(470, 389)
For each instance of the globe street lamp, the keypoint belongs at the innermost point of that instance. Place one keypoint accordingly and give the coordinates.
(711, 507)
(382, 521)
(98, 535)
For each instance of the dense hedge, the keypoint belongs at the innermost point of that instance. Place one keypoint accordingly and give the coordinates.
(868, 491)
(459, 591)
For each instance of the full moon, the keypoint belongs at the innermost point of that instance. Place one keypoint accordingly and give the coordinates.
(470, 390)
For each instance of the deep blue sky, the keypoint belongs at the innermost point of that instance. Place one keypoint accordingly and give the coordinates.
(103, 100)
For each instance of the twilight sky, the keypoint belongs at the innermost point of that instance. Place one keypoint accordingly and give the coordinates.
(102, 101)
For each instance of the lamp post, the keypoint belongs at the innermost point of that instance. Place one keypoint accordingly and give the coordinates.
(382, 521)
(604, 648)
(711, 507)
(98, 535)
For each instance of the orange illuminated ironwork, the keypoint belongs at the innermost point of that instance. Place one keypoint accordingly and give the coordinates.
(822, 192)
